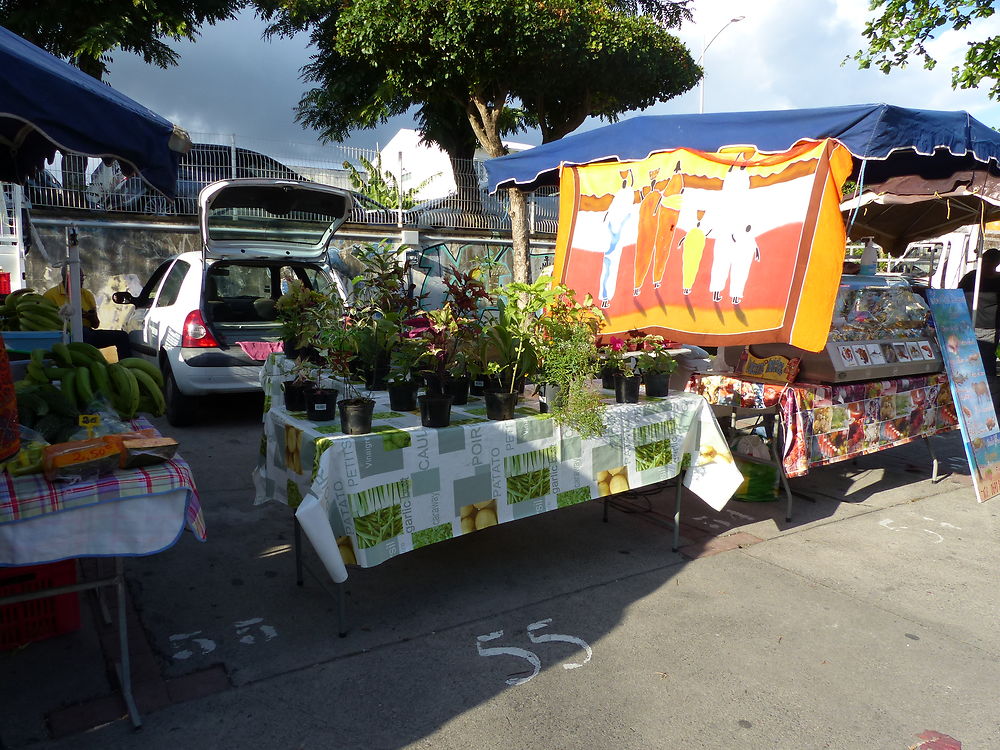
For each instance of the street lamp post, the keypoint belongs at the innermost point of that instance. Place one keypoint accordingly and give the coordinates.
(704, 49)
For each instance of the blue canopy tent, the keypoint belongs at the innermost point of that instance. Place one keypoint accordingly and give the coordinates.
(919, 173)
(47, 105)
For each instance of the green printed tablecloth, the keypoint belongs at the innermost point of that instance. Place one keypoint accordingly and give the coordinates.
(405, 486)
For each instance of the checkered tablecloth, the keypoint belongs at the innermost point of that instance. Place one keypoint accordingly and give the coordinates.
(31, 496)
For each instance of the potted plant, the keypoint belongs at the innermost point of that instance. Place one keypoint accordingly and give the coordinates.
(301, 312)
(338, 346)
(402, 385)
(510, 339)
(440, 332)
(296, 387)
(612, 361)
(626, 377)
(567, 354)
(655, 364)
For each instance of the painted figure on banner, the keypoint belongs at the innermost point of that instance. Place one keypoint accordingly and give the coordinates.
(666, 224)
(645, 237)
(731, 244)
(621, 221)
(692, 247)
(745, 253)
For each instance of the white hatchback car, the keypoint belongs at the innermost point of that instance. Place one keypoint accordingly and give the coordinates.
(207, 318)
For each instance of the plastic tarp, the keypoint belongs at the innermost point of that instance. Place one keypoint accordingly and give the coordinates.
(47, 105)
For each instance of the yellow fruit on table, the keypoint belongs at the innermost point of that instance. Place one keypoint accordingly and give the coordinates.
(480, 506)
(347, 553)
(603, 476)
(603, 489)
(486, 517)
(617, 470)
(468, 524)
(467, 510)
(619, 483)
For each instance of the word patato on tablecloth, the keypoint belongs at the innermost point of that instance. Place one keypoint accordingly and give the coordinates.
(404, 486)
(824, 424)
(125, 513)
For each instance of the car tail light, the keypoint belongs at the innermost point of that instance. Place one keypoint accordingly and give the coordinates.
(196, 333)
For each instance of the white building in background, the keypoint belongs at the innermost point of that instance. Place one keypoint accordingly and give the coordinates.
(413, 163)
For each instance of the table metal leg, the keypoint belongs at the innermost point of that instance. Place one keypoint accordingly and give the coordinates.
(297, 542)
(677, 515)
(125, 665)
(934, 462)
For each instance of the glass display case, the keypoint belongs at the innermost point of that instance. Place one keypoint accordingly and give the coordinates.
(881, 329)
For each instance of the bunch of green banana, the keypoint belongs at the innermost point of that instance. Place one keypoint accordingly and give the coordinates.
(130, 385)
(26, 310)
(45, 409)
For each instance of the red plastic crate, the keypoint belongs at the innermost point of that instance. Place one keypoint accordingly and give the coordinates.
(38, 619)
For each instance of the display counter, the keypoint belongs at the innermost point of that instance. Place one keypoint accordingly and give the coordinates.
(824, 424)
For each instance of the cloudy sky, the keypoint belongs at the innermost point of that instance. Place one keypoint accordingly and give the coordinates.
(783, 54)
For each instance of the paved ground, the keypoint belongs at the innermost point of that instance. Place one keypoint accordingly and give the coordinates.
(869, 621)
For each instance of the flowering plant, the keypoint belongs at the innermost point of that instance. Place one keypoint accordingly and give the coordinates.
(654, 356)
(613, 355)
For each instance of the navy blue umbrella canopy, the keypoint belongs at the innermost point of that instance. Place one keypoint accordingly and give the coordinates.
(47, 105)
(869, 131)
(919, 173)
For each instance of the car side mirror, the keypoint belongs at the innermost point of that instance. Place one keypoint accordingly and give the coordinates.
(123, 298)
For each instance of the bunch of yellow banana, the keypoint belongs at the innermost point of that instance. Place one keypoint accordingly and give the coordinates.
(26, 310)
(131, 385)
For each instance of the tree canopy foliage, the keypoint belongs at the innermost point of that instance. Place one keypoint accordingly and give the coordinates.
(85, 33)
(904, 28)
(501, 63)
(485, 68)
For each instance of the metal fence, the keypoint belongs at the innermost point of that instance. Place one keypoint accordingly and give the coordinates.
(413, 190)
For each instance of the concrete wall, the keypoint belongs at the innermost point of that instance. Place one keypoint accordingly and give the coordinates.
(112, 259)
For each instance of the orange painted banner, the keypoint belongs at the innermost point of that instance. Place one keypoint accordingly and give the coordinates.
(734, 247)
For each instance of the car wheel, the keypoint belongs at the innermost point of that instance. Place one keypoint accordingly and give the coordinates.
(180, 408)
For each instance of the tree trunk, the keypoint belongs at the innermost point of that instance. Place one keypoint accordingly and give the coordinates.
(519, 234)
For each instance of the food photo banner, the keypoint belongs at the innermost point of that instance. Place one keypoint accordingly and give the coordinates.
(970, 388)
(734, 247)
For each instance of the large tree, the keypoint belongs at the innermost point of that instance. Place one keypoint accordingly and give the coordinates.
(86, 33)
(903, 28)
(491, 65)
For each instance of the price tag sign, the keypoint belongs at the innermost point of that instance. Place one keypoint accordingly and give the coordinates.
(91, 422)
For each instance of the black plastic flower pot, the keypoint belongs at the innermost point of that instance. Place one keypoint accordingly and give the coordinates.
(434, 384)
(403, 396)
(295, 395)
(657, 383)
(608, 377)
(356, 416)
(458, 389)
(376, 376)
(435, 410)
(549, 397)
(321, 404)
(500, 404)
(626, 389)
(477, 386)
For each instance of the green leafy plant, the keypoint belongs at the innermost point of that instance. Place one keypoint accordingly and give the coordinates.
(381, 185)
(654, 356)
(302, 312)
